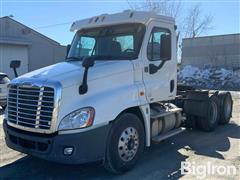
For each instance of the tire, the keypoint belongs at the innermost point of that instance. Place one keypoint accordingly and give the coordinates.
(209, 123)
(225, 107)
(216, 100)
(125, 143)
(190, 122)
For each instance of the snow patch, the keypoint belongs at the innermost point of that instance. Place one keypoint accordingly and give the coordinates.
(211, 77)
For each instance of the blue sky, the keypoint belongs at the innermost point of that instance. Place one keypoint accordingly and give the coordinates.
(39, 14)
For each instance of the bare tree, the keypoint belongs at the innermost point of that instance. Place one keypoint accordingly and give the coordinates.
(195, 23)
(163, 7)
(192, 24)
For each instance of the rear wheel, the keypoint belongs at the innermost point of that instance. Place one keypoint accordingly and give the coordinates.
(125, 144)
(210, 122)
(216, 100)
(225, 106)
(190, 121)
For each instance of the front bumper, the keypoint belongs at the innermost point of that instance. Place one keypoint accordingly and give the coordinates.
(88, 146)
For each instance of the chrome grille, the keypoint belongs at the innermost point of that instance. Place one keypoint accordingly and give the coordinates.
(31, 106)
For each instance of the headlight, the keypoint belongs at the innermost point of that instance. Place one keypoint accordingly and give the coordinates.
(81, 118)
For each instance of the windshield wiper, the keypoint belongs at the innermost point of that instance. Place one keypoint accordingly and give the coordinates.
(99, 57)
(73, 58)
(105, 57)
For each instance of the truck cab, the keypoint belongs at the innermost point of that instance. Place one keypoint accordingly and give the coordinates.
(108, 100)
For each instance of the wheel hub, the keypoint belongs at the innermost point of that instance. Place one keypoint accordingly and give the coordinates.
(128, 144)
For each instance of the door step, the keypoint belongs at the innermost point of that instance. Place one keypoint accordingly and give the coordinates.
(168, 134)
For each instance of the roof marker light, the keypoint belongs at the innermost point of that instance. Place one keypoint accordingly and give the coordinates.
(131, 15)
(103, 18)
(96, 19)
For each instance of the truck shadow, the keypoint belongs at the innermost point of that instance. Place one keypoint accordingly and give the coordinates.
(161, 161)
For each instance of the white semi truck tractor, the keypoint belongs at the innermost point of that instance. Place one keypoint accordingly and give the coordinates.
(113, 96)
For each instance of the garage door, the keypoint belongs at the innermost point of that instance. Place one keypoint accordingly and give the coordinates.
(13, 52)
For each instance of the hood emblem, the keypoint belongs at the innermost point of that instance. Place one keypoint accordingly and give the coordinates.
(25, 84)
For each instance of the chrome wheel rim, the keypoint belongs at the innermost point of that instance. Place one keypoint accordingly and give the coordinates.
(128, 144)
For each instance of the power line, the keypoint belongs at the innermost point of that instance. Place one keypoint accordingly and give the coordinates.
(70, 22)
(53, 25)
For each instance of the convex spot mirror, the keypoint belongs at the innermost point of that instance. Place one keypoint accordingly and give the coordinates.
(15, 64)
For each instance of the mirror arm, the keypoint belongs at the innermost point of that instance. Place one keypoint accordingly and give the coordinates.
(84, 87)
(87, 63)
(15, 72)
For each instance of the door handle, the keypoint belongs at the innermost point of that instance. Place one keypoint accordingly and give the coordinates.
(153, 68)
(146, 69)
(172, 86)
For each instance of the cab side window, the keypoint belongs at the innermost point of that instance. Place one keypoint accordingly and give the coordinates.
(159, 45)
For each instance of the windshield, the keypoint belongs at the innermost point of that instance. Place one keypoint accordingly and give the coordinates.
(109, 42)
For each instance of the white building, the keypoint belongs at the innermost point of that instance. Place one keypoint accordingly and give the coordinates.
(19, 42)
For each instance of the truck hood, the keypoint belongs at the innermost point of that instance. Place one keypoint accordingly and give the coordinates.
(71, 73)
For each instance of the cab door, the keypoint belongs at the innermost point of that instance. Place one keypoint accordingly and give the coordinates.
(160, 63)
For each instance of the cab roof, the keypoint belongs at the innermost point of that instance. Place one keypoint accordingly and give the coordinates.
(127, 16)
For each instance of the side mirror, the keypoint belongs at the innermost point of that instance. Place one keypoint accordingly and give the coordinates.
(165, 47)
(14, 65)
(88, 62)
(68, 49)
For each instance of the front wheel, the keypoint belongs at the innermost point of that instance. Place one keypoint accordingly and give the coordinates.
(125, 143)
